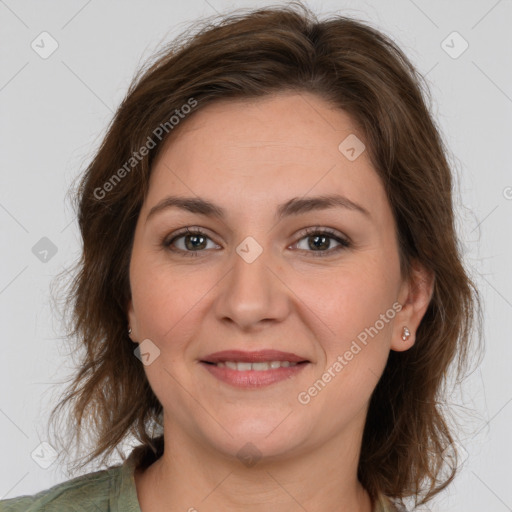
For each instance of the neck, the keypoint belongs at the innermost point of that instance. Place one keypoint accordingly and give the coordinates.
(192, 476)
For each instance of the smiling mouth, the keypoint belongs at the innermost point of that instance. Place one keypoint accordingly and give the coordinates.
(253, 369)
(243, 366)
(255, 374)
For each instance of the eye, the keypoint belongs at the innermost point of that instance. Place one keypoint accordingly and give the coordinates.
(191, 241)
(318, 240)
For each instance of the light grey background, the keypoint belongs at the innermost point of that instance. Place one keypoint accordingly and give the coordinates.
(54, 112)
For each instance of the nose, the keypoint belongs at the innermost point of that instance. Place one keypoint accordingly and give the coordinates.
(253, 293)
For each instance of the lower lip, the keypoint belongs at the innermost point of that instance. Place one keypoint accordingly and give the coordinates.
(253, 378)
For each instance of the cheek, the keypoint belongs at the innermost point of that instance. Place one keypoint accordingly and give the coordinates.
(355, 303)
(359, 313)
(167, 300)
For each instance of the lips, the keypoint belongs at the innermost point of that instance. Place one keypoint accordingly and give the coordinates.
(259, 356)
(249, 370)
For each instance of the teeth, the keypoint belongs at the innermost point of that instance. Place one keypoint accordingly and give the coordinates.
(259, 366)
(266, 365)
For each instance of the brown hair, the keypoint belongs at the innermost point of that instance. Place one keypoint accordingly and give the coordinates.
(247, 55)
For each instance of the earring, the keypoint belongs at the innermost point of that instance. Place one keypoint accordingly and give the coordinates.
(405, 333)
(129, 330)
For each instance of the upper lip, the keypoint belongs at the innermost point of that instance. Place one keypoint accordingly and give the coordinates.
(253, 357)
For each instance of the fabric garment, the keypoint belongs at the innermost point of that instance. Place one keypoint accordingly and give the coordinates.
(107, 490)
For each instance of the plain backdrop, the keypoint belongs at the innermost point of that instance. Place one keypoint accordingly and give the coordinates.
(55, 109)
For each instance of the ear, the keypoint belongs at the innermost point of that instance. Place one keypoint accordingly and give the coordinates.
(414, 296)
(132, 322)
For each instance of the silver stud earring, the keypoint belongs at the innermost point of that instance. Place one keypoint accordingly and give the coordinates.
(129, 330)
(405, 333)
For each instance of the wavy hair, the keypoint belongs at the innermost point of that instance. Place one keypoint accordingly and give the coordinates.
(250, 54)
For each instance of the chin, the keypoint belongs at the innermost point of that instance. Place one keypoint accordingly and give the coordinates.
(257, 439)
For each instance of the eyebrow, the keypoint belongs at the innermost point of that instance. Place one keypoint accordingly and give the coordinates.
(295, 206)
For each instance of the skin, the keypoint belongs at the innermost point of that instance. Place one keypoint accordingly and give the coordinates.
(248, 157)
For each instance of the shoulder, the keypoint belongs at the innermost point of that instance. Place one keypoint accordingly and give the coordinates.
(90, 492)
(111, 489)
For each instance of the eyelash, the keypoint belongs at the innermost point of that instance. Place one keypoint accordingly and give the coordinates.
(308, 232)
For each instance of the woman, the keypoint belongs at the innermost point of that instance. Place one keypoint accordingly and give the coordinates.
(269, 220)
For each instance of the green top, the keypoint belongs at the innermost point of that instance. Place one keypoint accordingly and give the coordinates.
(107, 490)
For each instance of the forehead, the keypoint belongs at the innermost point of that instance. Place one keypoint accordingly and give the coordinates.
(300, 122)
(266, 149)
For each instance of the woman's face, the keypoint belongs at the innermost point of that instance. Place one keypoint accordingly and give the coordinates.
(266, 276)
